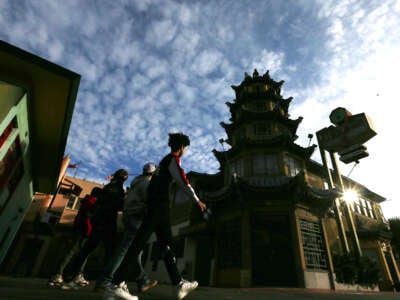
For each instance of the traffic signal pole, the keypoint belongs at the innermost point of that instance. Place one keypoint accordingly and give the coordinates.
(346, 138)
(347, 210)
(336, 206)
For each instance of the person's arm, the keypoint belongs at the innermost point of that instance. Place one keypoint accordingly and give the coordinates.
(180, 177)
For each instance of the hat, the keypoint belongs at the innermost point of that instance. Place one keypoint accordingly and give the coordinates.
(149, 168)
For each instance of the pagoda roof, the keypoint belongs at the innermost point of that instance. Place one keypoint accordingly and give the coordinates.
(256, 78)
(238, 102)
(278, 142)
(205, 180)
(247, 116)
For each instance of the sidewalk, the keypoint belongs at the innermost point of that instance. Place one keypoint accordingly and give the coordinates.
(36, 288)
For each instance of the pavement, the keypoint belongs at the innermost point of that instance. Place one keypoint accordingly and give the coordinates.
(13, 288)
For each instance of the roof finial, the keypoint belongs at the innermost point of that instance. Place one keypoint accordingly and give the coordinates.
(255, 73)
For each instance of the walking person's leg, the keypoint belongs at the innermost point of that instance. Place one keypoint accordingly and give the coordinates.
(57, 279)
(115, 260)
(164, 236)
(138, 242)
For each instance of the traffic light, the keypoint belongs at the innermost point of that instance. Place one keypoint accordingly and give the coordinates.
(339, 115)
(353, 153)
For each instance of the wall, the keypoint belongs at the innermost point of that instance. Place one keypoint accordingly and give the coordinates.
(15, 201)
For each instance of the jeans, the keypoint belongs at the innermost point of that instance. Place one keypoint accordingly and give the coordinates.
(131, 226)
(157, 220)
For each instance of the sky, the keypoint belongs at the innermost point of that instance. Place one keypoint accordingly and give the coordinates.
(150, 67)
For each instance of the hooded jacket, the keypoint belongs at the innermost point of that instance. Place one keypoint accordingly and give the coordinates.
(135, 200)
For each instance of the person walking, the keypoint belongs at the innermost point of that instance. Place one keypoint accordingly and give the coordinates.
(135, 207)
(82, 230)
(104, 224)
(158, 215)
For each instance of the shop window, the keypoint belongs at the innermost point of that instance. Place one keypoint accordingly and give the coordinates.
(313, 245)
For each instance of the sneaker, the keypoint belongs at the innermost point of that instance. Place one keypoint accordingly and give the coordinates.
(185, 287)
(146, 284)
(80, 280)
(56, 280)
(118, 292)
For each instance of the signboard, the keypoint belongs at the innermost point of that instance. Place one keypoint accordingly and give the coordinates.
(357, 129)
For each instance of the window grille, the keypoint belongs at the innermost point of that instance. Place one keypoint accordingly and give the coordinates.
(313, 245)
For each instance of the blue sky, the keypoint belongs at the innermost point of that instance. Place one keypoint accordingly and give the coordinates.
(151, 67)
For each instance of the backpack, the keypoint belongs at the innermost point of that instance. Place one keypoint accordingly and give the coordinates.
(83, 220)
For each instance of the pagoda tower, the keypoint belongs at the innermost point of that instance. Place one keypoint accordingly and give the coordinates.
(272, 222)
(265, 192)
(261, 134)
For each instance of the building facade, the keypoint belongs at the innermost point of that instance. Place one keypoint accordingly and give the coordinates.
(37, 99)
(47, 234)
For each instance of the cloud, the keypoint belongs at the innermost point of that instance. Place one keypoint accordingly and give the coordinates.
(207, 62)
(148, 69)
(159, 33)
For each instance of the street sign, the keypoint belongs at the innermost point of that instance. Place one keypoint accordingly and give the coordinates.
(356, 129)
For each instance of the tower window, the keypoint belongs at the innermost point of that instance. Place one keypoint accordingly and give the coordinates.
(293, 165)
(263, 129)
(265, 164)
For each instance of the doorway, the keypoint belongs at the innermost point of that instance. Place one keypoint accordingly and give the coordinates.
(272, 255)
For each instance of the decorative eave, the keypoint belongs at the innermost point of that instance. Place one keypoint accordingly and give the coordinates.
(285, 104)
(250, 116)
(256, 78)
(237, 105)
(295, 189)
(278, 142)
(318, 201)
(206, 181)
